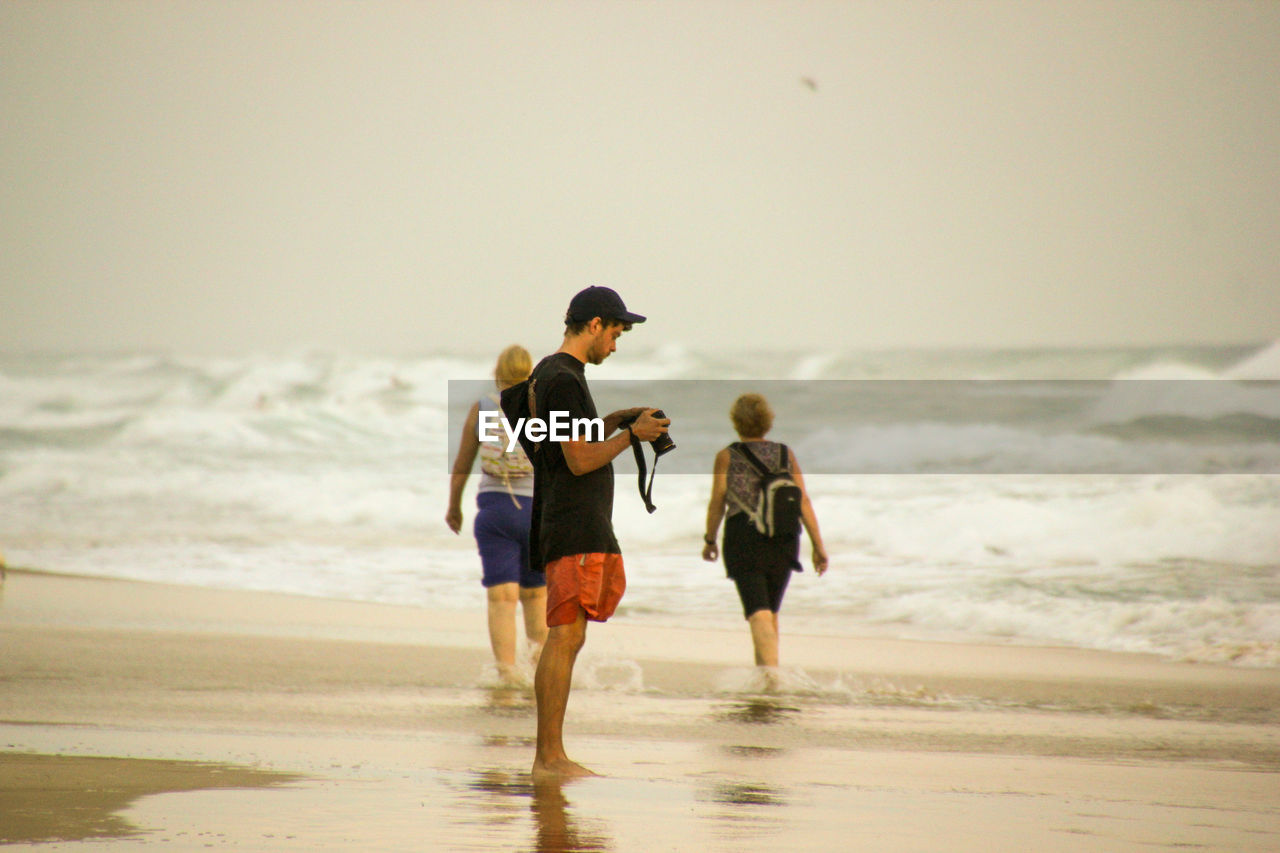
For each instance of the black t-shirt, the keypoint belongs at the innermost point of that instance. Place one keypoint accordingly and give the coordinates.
(572, 514)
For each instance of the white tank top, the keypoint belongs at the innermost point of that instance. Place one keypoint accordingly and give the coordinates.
(522, 486)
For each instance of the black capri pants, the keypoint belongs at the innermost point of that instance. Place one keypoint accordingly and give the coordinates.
(759, 566)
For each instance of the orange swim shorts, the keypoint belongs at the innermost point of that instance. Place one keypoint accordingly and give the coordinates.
(592, 583)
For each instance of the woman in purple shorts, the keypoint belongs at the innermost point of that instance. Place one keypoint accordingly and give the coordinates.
(504, 501)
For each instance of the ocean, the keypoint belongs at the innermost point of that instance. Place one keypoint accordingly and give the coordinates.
(1118, 499)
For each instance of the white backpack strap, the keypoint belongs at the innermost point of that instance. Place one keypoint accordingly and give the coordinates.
(504, 473)
(737, 501)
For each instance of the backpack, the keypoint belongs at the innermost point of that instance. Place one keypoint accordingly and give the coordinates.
(520, 403)
(497, 462)
(777, 510)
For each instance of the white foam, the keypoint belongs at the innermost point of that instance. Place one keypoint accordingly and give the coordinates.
(778, 681)
(337, 486)
(1165, 371)
(1264, 364)
(618, 675)
(1128, 401)
(814, 366)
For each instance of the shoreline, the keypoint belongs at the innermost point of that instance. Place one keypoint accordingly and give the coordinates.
(678, 658)
(350, 698)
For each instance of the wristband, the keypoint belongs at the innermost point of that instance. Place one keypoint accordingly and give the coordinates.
(710, 540)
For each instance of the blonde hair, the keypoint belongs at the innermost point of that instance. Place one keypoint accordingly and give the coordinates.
(751, 416)
(513, 366)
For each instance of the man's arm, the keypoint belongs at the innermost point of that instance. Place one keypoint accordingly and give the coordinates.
(583, 457)
(613, 419)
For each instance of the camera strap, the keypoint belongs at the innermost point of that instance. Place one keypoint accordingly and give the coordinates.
(641, 468)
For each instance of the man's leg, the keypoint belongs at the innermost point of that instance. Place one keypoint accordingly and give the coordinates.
(533, 600)
(551, 689)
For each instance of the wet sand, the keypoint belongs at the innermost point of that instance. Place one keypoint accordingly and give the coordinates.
(271, 722)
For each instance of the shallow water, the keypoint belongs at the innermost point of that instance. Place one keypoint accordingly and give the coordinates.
(725, 790)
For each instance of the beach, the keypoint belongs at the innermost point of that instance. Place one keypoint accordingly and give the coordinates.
(181, 717)
(1000, 270)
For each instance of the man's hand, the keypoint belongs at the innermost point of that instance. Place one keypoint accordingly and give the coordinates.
(613, 419)
(647, 427)
(583, 457)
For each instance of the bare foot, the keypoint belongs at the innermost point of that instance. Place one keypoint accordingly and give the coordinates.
(560, 770)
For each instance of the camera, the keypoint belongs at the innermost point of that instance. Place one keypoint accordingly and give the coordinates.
(662, 444)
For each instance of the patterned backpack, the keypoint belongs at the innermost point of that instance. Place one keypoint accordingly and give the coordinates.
(497, 462)
(777, 510)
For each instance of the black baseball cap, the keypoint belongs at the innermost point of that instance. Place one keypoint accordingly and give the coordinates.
(602, 302)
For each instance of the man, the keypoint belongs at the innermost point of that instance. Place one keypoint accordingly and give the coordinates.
(572, 529)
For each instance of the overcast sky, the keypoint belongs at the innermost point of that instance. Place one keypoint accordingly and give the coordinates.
(409, 177)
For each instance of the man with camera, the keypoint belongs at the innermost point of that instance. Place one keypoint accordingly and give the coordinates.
(572, 529)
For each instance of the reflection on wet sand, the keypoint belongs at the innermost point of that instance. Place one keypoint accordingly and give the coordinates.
(508, 740)
(757, 710)
(499, 791)
(755, 751)
(745, 810)
(740, 794)
(556, 828)
(558, 831)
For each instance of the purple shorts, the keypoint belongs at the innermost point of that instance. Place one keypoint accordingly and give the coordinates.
(502, 535)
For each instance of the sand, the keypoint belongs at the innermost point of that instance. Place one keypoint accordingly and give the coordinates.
(188, 719)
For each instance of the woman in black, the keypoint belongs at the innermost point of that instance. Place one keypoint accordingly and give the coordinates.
(760, 566)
